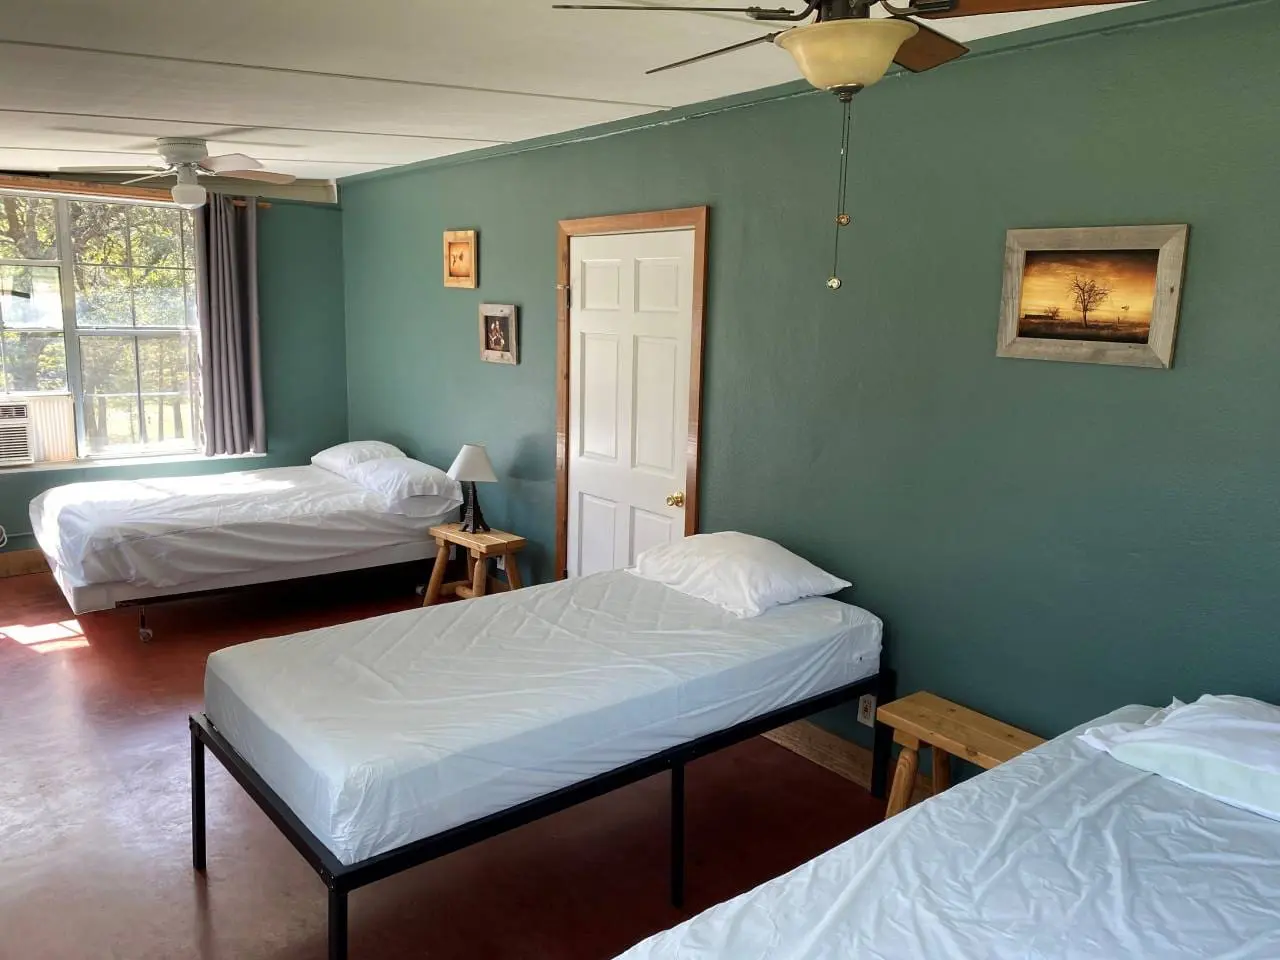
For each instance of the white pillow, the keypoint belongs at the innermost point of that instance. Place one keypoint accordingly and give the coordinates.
(1225, 747)
(412, 488)
(745, 575)
(343, 457)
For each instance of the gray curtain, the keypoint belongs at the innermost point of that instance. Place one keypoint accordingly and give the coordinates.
(231, 361)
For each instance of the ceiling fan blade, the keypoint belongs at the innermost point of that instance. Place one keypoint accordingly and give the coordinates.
(969, 8)
(767, 38)
(265, 176)
(749, 11)
(121, 169)
(928, 49)
(230, 161)
(151, 176)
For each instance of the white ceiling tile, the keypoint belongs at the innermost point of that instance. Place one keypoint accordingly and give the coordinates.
(331, 87)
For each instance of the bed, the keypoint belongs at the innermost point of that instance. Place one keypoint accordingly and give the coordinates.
(1061, 853)
(404, 737)
(113, 542)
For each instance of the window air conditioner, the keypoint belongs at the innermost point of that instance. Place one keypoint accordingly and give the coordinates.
(15, 434)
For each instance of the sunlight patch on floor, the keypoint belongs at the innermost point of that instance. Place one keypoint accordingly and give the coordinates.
(47, 637)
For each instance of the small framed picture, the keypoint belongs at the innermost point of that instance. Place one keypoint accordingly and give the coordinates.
(461, 259)
(499, 333)
(1093, 294)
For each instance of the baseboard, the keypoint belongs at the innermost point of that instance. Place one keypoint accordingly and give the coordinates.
(16, 563)
(833, 752)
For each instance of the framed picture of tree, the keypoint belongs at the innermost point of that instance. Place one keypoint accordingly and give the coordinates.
(1093, 294)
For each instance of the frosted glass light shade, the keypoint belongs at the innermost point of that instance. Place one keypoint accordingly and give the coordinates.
(189, 196)
(472, 463)
(846, 54)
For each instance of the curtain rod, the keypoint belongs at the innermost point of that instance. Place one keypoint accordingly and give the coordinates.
(262, 204)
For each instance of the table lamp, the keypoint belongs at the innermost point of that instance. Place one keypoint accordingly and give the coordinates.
(472, 466)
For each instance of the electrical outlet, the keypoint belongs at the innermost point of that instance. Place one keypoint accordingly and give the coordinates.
(502, 563)
(867, 709)
(453, 551)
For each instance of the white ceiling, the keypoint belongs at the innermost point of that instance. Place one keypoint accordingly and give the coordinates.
(329, 88)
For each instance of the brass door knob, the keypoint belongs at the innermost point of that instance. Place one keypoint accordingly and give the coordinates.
(676, 499)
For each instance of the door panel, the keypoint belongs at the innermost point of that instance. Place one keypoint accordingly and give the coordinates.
(655, 379)
(599, 534)
(630, 332)
(599, 403)
(650, 530)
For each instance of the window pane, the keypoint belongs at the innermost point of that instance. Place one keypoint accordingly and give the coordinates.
(103, 297)
(166, 391)
(192, 302)
(188, 240)
(98, 232)
(159, 297)
(155, 237)
(30, 297)
(32, 361)
(28, 228)
(110, 373)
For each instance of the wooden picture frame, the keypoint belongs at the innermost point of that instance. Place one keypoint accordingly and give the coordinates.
(1129, 279)
(461, 259)
(499, 333)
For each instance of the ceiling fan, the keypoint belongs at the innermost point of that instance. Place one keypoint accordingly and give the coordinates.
(844, 49)
(187, 160)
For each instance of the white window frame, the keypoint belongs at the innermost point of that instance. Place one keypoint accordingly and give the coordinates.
(71, 332)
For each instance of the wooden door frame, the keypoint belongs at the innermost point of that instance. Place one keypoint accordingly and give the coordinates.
(684, 218)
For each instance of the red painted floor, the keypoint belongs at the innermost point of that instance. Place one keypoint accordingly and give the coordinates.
(94, 813)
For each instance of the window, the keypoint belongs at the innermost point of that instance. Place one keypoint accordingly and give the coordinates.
(98, 303)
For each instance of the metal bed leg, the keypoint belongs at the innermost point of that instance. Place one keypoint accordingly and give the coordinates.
(337, 924)
(197, 802)
(882, 746)
(144, 632)
(677, 836)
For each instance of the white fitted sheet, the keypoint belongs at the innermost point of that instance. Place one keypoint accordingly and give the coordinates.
(384, 731)
(1062, 854)
(172, 531)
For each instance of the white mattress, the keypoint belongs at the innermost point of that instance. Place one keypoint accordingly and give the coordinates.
(173, 531)
(1063, 853)
(388, 730)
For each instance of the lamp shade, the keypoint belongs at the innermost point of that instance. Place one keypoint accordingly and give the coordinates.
(472, 463)
(846, 54)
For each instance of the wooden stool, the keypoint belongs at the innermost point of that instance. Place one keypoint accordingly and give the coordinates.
(947, 728)
(480, 547)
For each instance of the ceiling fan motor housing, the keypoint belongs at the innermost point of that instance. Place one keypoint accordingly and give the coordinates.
(180, 150)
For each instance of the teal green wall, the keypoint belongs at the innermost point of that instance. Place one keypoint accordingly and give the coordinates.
(1045, 541)
(303, 362)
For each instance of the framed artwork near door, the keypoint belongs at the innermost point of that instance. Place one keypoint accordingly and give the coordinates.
(1093, 294)
(499, 333)
(461, 259)
(629, 324)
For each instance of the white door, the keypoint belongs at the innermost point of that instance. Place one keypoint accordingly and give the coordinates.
(630, 327)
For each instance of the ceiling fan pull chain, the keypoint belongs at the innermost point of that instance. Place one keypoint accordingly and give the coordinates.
(842, 189)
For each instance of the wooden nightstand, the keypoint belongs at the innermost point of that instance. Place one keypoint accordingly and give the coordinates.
(480, 547)
(947, 728)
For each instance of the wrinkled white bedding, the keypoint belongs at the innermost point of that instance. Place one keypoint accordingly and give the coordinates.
(383, 731)
(168, 531)
(1061, 854)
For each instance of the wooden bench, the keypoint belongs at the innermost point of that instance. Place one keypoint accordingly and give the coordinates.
(949, 729)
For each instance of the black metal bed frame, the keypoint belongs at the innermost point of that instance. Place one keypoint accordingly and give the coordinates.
(341, 879)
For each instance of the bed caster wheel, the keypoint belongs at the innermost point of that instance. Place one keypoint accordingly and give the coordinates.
(420, 589)
(145, 634)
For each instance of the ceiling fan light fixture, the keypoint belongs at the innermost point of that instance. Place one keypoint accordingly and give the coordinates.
(187, 193)
(844, 56)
